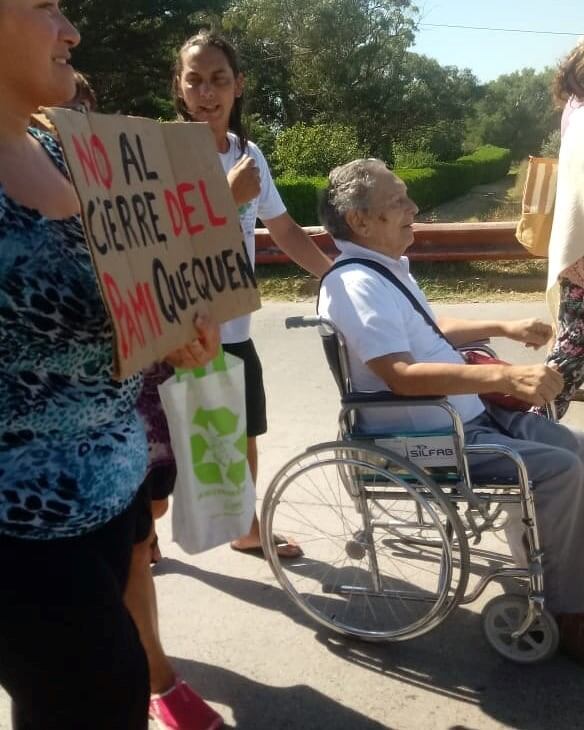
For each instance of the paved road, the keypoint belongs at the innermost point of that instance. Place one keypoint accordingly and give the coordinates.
(236, 637)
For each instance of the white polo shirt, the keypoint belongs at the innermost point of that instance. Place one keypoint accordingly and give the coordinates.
(266, 206)
(376, 319)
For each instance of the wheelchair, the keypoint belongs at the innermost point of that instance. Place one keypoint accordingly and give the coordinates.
(387, 524)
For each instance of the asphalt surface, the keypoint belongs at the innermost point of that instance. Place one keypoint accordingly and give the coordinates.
(234, 634)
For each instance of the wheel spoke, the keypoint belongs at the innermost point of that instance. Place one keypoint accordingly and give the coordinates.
(311, 503)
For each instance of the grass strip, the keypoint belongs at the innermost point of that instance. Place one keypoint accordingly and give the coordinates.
(480, 281)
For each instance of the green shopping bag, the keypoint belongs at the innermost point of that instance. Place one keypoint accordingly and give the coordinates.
(214, 497)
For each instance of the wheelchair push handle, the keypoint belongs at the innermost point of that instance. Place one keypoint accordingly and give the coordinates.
(296, 322)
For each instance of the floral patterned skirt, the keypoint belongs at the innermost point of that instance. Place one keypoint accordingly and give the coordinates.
(568, 351)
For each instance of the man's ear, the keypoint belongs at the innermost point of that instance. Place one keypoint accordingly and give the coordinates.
(357, 221)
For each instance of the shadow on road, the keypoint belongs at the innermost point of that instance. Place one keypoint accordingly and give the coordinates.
(257, 706)
(452, 661)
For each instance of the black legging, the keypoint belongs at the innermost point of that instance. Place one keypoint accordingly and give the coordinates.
(70, 655)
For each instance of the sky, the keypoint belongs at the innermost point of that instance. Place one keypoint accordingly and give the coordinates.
(489, 53)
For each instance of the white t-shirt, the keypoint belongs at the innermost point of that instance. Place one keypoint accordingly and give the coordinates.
(266, 206)
(376, 319)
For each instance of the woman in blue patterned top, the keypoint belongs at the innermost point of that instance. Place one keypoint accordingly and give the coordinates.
(71, 443)
(72, 447)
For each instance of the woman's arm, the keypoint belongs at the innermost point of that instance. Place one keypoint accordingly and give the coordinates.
(295, 242)
(532, 332)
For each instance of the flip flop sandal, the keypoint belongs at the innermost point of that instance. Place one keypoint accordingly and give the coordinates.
(284, 547)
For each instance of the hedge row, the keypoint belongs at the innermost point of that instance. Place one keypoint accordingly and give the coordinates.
(300, 196)
(428, 186)
(431, 186)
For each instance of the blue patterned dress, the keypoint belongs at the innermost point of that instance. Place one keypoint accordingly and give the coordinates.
(72, 447)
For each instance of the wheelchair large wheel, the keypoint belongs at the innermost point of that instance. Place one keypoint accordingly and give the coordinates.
(424, 534)
(503, 615)
(340, 503)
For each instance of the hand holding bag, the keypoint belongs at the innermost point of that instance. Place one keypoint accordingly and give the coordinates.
(508, 402)
(214, 497)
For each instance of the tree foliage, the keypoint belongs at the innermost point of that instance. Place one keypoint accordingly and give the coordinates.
(262, 134)
(314, 62)
(304, 150)
(516, 111)
(434, 94)
(128, 48)
(442, 140)
(325, 60)
(551, 144)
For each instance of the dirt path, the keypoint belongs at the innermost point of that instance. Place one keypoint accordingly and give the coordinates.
(495, 201)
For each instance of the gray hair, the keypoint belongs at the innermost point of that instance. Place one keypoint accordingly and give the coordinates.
(349, 188)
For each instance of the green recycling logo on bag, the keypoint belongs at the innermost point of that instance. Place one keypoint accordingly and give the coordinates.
(219, 451)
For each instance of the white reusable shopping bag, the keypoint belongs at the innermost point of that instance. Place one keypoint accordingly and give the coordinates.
(214, 497)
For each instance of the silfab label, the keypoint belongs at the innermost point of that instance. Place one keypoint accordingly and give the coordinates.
(423, 450)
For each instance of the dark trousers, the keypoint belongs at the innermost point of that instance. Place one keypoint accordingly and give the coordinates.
(70, 655)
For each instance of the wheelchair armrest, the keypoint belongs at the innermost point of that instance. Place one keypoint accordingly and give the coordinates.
(503, 451)
(295, 322)
(478, 346)
(384, 396)
(352, 402)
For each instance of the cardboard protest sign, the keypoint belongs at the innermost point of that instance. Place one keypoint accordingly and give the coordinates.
(162, 228)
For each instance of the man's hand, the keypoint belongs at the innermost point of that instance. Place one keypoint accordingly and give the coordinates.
(202, 349)
(244, 180)
(532, 332)
(536, 384)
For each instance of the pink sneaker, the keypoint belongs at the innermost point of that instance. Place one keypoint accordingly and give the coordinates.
(180, 708)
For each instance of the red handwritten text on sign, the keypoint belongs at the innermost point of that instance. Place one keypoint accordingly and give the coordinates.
(132, 311)
(181, 211)
(95, 161)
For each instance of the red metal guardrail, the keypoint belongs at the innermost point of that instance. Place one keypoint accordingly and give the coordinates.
(432, 242)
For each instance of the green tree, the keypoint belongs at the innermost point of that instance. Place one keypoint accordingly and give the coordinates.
(325, 60)
(128, 48)
(262, 134)
(434, 94)
(314, 150)
(516, 111)
(440, 141)
(551, 144)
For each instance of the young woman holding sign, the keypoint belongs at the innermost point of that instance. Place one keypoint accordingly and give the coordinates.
(72, 448)
(208, 87)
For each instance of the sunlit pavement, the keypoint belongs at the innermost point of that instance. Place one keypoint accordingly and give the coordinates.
(246, 648)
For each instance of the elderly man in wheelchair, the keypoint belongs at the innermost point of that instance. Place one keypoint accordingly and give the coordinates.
(423, 465)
